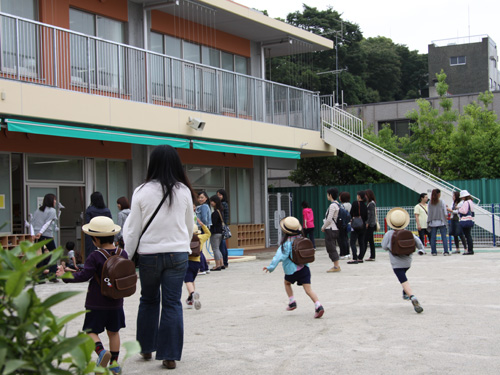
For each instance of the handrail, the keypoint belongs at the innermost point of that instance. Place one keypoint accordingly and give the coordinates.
(395, 158)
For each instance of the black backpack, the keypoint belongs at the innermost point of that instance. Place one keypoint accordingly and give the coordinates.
(402, 242)
(302, 251)
(343, 218)
(118, 275)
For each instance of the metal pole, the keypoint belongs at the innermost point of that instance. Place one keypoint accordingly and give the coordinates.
(336, 66)
(88, 64)
(119, 80)
(266, 201)
(54, 41)
(493, 224)
(17, 50)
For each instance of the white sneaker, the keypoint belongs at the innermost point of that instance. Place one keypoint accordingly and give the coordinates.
(345, 257)
(207, 271)
(202, 273)
(196, 300)
(421, 252)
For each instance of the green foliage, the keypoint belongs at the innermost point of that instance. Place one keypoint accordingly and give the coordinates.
(32, 338)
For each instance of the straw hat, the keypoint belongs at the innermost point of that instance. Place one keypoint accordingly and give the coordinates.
(196, 230)
(290, 225)
(101, 226)
(398, 218)
(464, 193)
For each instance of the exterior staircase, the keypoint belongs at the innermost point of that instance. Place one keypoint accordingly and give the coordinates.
(345, 132)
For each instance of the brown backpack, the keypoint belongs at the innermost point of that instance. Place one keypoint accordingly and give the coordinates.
(195, 246)
(302, 251)
(402, 242)
(118, 276)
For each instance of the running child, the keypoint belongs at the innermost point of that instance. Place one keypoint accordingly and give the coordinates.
(104, 313)
(293, 272)
(398, 219)
(194, 267)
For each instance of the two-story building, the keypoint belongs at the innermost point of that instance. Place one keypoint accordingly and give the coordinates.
(88, 87)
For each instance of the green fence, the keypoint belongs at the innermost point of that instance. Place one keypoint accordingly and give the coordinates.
(388, 195)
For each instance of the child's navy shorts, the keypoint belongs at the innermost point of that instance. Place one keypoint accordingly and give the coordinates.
(192, 271)
(96, 321)
(301, 277)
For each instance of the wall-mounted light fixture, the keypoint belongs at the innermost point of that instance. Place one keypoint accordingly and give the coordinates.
(196, 124)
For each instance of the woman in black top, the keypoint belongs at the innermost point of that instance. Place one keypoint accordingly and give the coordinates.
(97, 208)
(216, 230)
(221, 193)
(358, 209)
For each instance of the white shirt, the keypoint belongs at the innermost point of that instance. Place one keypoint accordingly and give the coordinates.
(171, 229)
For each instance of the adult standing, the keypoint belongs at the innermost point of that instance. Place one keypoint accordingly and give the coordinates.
(421, 213)
(371, 224)
(221, 193)
(124, 210)
(436, 220)
(467, 209)
(308, 222)
(455, 228)
(216, 230)
(163, 250)
(43, 219)
(359, 215)
(345, 202)
(203, 213)
(97, 208)
(331, 230)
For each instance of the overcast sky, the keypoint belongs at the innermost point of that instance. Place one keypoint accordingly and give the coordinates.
(414, 23)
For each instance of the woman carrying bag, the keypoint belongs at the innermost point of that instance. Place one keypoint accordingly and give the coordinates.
(160, 227)
(466, 212)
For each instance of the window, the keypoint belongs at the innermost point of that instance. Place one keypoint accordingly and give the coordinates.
(227, 61)
(192, 52)
(400, 128)
(210, 56)
(28, 51)
(103, 70)
(457, 60)
(54, 168)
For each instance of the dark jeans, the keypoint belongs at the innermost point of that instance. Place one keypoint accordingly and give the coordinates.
(51, 246)
(468, 237)
(343, 243)
(162, 276)
(422, 233)
(203, 262)
(442, 229)
(358, 235)
(457, 243)
(331, 237)
(223, 250)
(309, 232)
(369, 240)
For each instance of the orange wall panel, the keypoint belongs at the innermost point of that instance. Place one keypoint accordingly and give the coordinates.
(55, 12)
(45, 144)
(195, 32)
(200, 157)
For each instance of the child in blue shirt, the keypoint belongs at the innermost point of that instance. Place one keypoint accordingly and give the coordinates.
(294, 272)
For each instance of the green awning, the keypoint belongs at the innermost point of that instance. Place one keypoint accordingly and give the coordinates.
(94, 134)
(245, 150)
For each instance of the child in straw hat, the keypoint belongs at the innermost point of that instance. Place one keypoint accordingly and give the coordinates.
(294, 272)
(398, 219)
(103, 313)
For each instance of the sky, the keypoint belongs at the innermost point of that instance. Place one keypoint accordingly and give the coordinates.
(413, 23)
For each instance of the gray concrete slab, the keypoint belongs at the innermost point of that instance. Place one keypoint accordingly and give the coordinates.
(243, 328)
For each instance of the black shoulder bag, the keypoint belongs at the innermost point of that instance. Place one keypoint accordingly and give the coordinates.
(135, 258)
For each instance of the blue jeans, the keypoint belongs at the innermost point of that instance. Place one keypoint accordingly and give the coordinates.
(163, 335)
(442, 230)
(223, 250)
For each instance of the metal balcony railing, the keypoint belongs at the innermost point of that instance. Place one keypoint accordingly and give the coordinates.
(39, 53)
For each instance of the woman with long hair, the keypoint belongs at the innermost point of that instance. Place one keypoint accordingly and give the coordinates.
(436, 220)
(163, 250)
(359, 213)
(371, 224)
(467, 208)
(203, 212)
(331, 229)
(97, 208)
(455, 228)
(43, 219)
(421, 213)
(221, 193)
(216, 230)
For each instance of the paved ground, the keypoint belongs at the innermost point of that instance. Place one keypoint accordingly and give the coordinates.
(367, 328)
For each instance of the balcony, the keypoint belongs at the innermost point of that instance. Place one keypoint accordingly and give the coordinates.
(47, 55)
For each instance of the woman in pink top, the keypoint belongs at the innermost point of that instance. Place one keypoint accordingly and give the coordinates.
(308, 217)
(466, 207)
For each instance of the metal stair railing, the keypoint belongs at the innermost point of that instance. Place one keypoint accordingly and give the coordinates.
(352, 126)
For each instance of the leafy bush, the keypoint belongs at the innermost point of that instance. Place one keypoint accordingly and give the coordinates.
(32, 338)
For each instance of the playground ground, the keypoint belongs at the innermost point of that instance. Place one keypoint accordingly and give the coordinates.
(243, 328)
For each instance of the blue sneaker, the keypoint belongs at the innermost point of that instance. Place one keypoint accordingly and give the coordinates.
(103, 359)
(115, 369)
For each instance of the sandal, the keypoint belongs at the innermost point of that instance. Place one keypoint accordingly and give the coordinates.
(352, 262)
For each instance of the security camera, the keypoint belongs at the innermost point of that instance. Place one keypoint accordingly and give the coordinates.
(196, 124)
